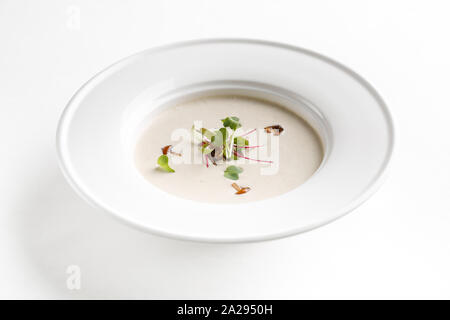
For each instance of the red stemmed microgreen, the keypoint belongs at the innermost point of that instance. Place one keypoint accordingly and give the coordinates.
(222, 145)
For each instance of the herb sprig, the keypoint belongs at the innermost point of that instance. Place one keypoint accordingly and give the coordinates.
(232, 172)
(222, 145)
(163, 162)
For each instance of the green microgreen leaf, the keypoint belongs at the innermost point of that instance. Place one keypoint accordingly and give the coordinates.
(232, 123)
(234, 169)
(241, 141)
(163, 162)
(220, 137)
(231, 176)
(232, 172)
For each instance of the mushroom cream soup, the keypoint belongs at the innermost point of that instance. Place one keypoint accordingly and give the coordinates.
(281, 154)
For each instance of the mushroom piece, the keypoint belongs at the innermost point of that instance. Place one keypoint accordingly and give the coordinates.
(275, 129)
(240, 190)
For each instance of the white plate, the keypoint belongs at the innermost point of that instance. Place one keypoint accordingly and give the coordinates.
(98, 130)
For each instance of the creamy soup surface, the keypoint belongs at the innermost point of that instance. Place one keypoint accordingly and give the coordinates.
(296, 153)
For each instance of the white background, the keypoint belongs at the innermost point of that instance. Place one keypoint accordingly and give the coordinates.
(396, 245)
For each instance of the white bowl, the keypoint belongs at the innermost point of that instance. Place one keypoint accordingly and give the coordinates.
(98, 131)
